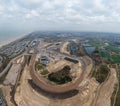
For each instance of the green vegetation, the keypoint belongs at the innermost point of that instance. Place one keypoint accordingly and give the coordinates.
(104, 54)
(38, 65)
(101, 73)
(111, 53)
(113, 49)
(61, 77)
(95, 44)
(115, 58)
(44, 72)
(41, 68)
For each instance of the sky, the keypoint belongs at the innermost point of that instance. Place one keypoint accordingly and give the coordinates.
(59, 15)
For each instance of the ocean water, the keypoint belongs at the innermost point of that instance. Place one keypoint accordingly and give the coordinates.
(9, 35)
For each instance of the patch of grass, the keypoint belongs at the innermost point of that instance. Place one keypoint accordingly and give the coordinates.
(104, 54)
(44, 72)
(41, 68)
(111, 58)
(113, 49)
(115, 58)
(38, 65)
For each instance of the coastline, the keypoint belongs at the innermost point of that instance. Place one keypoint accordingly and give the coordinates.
(3, 43)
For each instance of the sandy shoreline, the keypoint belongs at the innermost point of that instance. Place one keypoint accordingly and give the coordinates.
(3, 43)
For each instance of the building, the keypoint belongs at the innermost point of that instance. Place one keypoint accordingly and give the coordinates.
(44, 60)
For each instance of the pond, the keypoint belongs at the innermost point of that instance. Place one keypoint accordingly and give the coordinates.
(89, 49)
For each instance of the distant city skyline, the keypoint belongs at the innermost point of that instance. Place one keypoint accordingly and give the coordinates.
(59, 15)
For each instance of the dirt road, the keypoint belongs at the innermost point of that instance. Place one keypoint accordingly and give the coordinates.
(26, 96)
(105, 91)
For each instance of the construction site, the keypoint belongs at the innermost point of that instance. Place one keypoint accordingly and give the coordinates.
(73, 86)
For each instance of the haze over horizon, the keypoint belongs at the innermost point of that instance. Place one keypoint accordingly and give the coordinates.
(22, 16)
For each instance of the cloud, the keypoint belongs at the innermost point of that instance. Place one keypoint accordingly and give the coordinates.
(77, 13)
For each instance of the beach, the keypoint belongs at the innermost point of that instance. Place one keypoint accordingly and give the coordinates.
(3, 43)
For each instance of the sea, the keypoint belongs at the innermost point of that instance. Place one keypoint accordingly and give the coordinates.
(8, 36)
